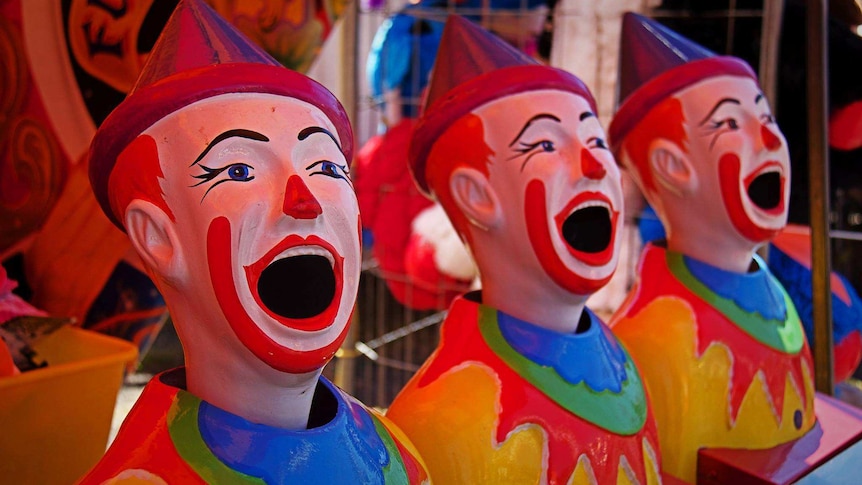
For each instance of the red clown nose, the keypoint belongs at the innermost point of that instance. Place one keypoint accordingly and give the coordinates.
(590, 167)
(770, 140)
(299, 202)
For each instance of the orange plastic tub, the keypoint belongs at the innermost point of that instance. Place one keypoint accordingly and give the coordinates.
(55, 421)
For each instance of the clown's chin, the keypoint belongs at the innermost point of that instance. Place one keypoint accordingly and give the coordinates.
(588, 230)
(298, 287)
(765, 191)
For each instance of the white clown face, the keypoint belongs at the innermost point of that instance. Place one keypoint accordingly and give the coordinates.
(739, 156)
(558, 186)
(268, 222)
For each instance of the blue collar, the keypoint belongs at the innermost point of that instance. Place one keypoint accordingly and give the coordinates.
(593, 356)
(754, 292)
(345, 449)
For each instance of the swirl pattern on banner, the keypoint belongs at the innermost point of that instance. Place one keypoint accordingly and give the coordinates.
(32, 179)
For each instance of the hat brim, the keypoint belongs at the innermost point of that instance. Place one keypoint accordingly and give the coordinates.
(477, 92)
(642, 100)
(145, 106)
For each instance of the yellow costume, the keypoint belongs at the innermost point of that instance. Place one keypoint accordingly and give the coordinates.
(719, 370)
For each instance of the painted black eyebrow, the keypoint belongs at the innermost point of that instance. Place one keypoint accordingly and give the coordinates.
(251, 135)
(758, 98)
(530, 121)
(717, 105)
(586, 114)
(306, 132)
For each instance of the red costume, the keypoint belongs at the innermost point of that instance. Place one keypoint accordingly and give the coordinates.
(173, 436)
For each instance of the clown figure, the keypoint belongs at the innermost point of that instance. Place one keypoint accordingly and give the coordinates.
(229, 174)
(527, 385)
(719, 342)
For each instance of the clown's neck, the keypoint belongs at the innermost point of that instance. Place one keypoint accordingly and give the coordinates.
(737, 259)
(252, 390)
(547, 306)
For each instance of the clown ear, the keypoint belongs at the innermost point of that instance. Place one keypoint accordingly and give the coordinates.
(153, 236)
(475, 197)
(672, 168)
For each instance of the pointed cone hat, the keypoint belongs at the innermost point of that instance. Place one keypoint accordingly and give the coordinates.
(199, 55)
(474, 67)
(656, 62)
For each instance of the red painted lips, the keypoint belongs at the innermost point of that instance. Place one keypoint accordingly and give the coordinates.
(765, 188)
(299, 282)
(588, 226)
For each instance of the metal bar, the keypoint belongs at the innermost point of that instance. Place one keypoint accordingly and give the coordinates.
(773, 11)
(404, 331)
(345, 366)
(350, 57)
(818, 170)
(731, 28)
(770, 35)
(847, 235)
(381, 315)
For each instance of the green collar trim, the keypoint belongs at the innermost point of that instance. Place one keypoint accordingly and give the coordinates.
(622, 413)
(186, 436)
(395, 472)
(786, 336)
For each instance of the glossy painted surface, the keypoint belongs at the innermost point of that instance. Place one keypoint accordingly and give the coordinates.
(645, 54)
(473, 68)
(700, 141)
(485, 409)
(741, 385)
(722, 187)
(550, 171)
(526, 386)
(231, 180)
(790, 261)
(829, 453)
(221, 205)
(174, 437)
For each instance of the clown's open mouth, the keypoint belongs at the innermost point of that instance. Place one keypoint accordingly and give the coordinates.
(765, 190)
(299, 285)
(589, 229)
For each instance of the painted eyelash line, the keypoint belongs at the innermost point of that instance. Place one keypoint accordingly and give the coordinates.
(715, 125)
(219, 183)
(524, 149)
(600, 142)
(210, 174)
(717, 128)
(715, 132)
(344, 168)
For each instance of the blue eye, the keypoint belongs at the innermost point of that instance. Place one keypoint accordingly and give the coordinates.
(729, 123)
(330, 169)
(530, 149)
(236, 172)
(239, 172)
(596, 142)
